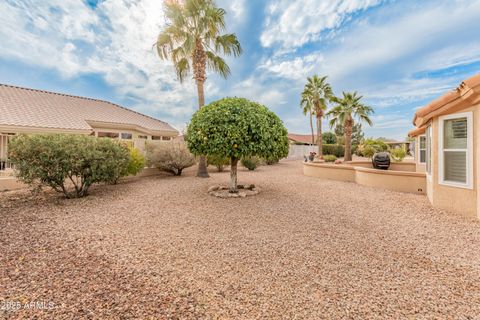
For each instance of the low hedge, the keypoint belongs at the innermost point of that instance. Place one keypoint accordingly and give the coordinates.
(333, 149)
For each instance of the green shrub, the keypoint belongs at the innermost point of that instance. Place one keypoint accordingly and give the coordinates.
(237, 128)
(271, 160)
(251, 163)
(333, 149)
(365, 149)
(329, 158)
(171, 157)
(69, 164)
(218, 161)
(136, 162)
(398, 154)
(368, 151)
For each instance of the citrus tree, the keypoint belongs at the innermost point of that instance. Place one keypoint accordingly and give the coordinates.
(237, 128)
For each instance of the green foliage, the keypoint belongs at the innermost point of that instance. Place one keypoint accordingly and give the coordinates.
(251, 163)
(329, 158)
(271, 160)
(171, 157)
(398, 154)
(334, 149)
(371, 145)
(368, 151)
(136, 163)
(357, 134)
(192, 22)
(329, 138)
(218, 161)
(69, 164)
(237, 127)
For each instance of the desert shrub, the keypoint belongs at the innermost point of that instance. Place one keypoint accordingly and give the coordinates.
(365, 149)
(333, 149)
(171, 157)
(269, 161)
(329, 158)
(218, 161)
(329, 138)
(251, 163)
(398, 154)
(237, 128)
(136, 162)
(368, 151)
(69, 164)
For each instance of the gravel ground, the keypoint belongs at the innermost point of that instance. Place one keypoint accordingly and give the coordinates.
(304, 248)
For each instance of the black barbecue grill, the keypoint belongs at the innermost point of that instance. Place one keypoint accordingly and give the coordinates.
(381, 160)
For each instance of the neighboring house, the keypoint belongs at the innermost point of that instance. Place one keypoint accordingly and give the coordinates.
(447, 148)
(32, 111)
(394, 144)
(305, 139)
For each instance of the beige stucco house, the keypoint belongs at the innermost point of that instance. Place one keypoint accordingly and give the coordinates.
(447, 148)
(32, 111)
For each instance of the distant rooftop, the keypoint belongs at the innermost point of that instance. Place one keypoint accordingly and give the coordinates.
(24, 107)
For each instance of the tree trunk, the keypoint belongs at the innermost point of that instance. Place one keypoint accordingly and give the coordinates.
(199, 69)
(319, 137)
(233, 175)
(202, 171)
(311, 127)
(348, 140)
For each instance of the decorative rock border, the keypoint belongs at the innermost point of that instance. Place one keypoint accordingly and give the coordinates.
(243, 191)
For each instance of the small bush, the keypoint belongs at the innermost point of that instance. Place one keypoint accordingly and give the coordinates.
(251, 163)
(171, 157)
(218, 161)
(271, 160)
(368, 151)
(136, 162)
(329, 158)
(333, 149)
(398, 154)
(69, 164)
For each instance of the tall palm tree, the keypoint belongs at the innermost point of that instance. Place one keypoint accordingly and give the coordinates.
(346, 110)
(320, 93)
(193, 41)
(307, 107)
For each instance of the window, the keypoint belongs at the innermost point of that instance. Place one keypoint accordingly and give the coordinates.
(142, 137)
(156, 137)
(126, 136)
(112, 135)
(428, 151)
(422, 147)
(456, 144)
(165, 138)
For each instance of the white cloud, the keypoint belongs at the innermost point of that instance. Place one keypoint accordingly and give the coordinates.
(295, 23)
(253, 89)
(296, 68)
(115, 40)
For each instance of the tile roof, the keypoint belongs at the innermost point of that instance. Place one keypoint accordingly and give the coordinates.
(465, 95)
(301, 138)
(44, 109)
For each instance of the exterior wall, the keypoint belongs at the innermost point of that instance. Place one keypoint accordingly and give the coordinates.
(395, 166)
(411, 182)
(329, 171)
(403, 181)
(455, 199)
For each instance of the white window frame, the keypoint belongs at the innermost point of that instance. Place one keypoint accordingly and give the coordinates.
(420, 149)
(469, 150)
(428, 151)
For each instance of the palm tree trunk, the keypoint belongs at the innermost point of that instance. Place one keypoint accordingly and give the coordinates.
(233, 175)
(311, 127)
(199, 64)
(319, 137)
(348, 141)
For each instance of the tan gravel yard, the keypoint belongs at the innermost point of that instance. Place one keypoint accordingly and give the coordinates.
(304, 248)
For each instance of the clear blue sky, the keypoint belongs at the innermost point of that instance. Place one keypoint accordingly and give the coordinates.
(398, 54)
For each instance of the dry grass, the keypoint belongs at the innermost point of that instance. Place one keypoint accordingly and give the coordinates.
(304, 248)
